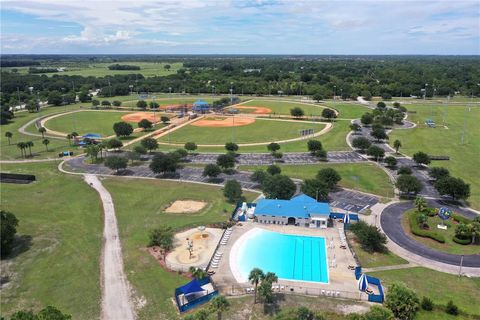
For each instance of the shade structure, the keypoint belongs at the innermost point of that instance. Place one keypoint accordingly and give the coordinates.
(92, 136)
(191, 288)
(363, 282)
(346, 218)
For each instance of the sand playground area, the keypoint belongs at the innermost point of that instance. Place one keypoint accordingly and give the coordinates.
(222, 122)
(254, 109)
(138, 116)
(202, 243)
(186, 206)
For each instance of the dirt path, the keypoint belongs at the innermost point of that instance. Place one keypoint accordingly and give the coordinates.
(116, 293)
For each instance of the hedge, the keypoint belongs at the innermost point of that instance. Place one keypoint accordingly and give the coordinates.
(462, 241)
(460, 218)
(416, 230)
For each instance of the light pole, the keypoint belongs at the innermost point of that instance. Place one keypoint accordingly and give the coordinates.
(131, 89)
(334, 94)
(170, 92)
(213, 92)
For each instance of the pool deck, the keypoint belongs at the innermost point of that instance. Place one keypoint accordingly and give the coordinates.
(341, 279)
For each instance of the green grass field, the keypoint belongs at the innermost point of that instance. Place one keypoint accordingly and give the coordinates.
(100, 69)
(259, 131)
(449, 246)
(464, 158)
(438, 286)
(165, 100)
(283, 108)
(365, 177)
(143, 211)
(63, 217)
(348, 110)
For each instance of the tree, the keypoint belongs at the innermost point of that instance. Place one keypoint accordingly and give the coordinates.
(265, 291)
(278, 187)
(390, 161)
(366, 119)
(314, 145)
(226, 161)
(321, 154)
(355, 127)
(8, 229)
(22, 146)
(106, 103)
(42, 130)
(451, 308)
(219, 305)
(153, 105)
(9, 136)
(330, 177)
(328, 113)
(116, 163)
(164, 163)
(297, 112)
(404, 170)
(379, 134)
(408, 184)
(149, 144)
(231, 146)
(273, 147)
(92, 151)
(114, 143)
(117, 103)
(211, 170)
(197, 273)
(454, 187)
(142, 104)
(140, 150)
(55, 98)
(162, 237)
(438, 173)
(69, 138)
(381, 105)
(181, 153)
(403, 301)
(376, 152)
(48, 313)
(427, 304)
(145, 124)
(122, 129)
(370, 237)
(317, 97)
(397, 144)
(233, 191)
(258, 176)
(378, 313)
(255, 276)
(45, 142)
(361, 143)
(83, 96)
(165, 119)
(29, 145)
(421, 158)
(396, 104)
(274, 169)
(420, 203)
(95, 102)
(315, 188)
(190, 146)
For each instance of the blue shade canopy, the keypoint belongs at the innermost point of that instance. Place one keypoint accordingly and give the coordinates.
(92, 136)
(200, 103)
(346, 218)
(191, 288)
(363, 282)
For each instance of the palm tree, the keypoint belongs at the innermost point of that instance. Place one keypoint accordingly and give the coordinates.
(29, 144)
(254, 277)
(219, 304)
(69, 138)
(197, 273)
(42, 130)
(397, 144)
(46, 142)
(420, 203)
(270, 277)
(9, 136)
(21, 146)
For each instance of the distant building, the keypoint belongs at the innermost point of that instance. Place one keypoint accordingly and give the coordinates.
(252, 70)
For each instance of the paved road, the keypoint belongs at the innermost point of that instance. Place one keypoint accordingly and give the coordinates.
(391, 224)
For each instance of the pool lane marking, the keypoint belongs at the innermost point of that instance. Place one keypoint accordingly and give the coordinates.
(294, 259)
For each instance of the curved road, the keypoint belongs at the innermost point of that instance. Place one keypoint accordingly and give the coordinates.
(390, 221)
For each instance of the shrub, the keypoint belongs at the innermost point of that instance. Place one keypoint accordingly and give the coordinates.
(258, 176)
(427, 304)
(459, 218)
(370, 237)
(273, 169)
(451, 308)
(416, 230)
(462, 241)
(404, 170)
(402, 300)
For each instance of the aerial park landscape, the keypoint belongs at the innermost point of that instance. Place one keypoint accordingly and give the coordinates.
(217, 186)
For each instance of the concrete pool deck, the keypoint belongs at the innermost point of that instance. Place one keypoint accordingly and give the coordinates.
(342, 282)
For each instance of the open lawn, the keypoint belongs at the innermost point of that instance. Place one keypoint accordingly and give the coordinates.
(165, 100)
(59, 240)
(438, 286)
(348, 110)
(449, 246)
(142, 211)
(365, 177)
(464, 158)
(100, 69)
(283, 108)
(260, 131)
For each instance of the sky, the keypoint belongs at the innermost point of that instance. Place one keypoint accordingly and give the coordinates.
(240, 27)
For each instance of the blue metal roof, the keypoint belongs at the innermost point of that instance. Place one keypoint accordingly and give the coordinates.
(301, 206)
(200, 103)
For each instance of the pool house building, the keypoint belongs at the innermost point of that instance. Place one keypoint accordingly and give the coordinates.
(301, 210)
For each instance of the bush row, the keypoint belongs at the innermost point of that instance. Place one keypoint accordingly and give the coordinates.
(459, 218)
(416, 230)
(462, 241)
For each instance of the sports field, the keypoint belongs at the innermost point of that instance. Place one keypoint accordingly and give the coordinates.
(464, 158)
(365, 177)
(148, 199)
(57, 261)
(259, 131)
(283, 108)
(164, 100)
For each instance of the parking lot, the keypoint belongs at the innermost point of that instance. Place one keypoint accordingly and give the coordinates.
(352, 201)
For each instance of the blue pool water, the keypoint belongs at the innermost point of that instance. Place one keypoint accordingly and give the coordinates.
(290, 257)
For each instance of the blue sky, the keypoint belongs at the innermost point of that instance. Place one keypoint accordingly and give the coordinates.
(240, 27)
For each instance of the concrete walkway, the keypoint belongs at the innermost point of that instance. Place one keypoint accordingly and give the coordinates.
(116, 293)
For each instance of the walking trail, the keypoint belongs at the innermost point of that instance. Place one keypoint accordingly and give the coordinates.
(116, 293)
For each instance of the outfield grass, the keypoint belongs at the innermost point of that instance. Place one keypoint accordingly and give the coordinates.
(283, 108)
(142, 211)
(63, 217)
(259, 131)
(366, 177)
(438, 286)
(449, 246)
(165, 100)
(464, 158)
(100, 69)
(348, 110)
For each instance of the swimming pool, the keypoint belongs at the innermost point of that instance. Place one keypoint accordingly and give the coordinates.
(290, 257)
